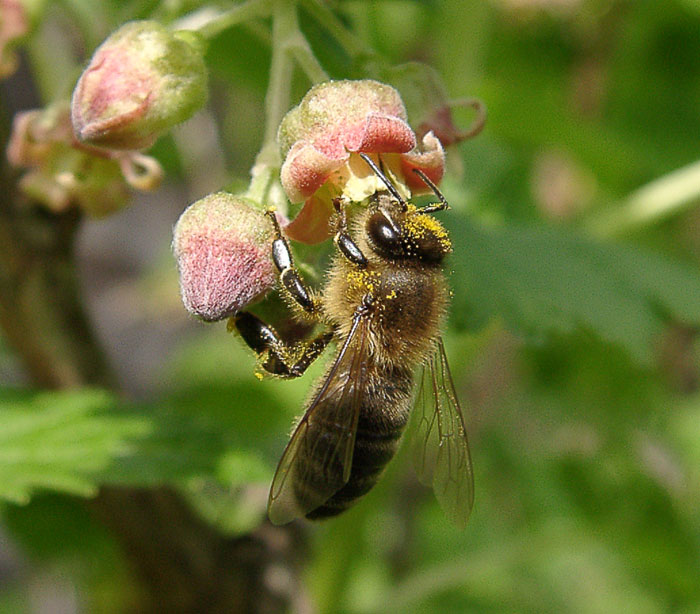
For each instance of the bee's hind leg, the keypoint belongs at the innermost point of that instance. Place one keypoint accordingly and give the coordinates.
(276, 357)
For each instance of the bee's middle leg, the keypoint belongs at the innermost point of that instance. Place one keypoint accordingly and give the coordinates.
(276, 356)
(289, 276)
(343, 240)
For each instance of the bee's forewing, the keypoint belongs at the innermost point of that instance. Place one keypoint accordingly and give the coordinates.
(318, 458)
(441, 448)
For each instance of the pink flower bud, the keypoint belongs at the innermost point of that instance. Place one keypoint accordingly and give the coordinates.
(222, 244)
(14, 24)
(140, 82)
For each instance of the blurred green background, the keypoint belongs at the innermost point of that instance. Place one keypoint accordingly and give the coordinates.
(572, 336)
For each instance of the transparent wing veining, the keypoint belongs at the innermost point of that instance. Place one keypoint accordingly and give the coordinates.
(441, 448)
(318, 458)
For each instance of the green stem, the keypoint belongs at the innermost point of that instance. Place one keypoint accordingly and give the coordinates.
(288, 43)
(209, 22)
(277, 99)
(651, 203)
(299, 47)
(264, 177)
(352, 45)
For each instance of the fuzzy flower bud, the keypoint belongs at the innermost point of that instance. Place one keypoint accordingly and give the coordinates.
(142, 81)
(222, 244)
(321, 140)
(14, 24)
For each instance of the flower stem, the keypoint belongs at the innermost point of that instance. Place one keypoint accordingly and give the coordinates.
(277, 101)
(352, 45)
(209, 21)
(288, 44)
(278, 90)
(651, 203)
(299, 47)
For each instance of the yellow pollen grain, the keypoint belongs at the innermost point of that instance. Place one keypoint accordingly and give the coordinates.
(417, 226)
(364, 281)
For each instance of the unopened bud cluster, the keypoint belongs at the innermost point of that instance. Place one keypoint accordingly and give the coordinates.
(60, 173)
(57, 174)
(140, 82)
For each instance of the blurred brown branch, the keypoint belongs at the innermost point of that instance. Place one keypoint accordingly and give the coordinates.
(181, 564)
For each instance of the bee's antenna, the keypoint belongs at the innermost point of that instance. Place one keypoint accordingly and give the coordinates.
(436, 206)
(385, 180)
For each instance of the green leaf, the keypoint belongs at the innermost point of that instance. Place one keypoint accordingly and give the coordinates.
(543, 281)
(60, 441)
(204, 432)
(228, 436)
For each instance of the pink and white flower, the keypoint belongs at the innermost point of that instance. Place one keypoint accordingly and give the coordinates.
(321, 140)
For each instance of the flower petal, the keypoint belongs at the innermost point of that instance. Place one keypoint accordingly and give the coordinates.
(382, 134)
(431, 160)
(305, 169)
(311, 225)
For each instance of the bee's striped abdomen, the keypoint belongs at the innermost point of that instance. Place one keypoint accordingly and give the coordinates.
(385, 402)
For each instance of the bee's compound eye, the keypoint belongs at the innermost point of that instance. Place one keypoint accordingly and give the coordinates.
(383, 234)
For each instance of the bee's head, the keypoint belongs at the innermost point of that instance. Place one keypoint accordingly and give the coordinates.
(399, 231)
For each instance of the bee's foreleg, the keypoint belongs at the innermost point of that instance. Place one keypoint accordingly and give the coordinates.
(342, 238)
(277, 357)
(432, 208)
(289, 276)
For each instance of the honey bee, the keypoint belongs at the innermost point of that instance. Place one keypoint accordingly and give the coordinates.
(383, 301)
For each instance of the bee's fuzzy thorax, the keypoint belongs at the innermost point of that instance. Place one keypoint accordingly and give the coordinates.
(409, 298)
